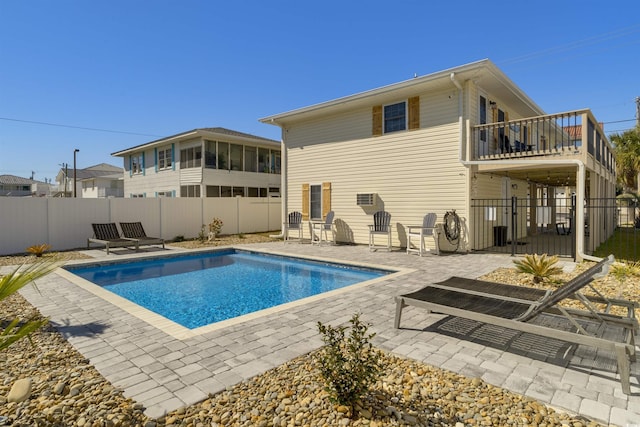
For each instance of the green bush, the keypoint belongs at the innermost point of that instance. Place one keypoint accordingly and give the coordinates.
(348, 365)
(540, 267)
(11, 283)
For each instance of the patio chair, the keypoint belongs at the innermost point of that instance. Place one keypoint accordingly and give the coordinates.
(135, 230)
(108, 235)
(505, 307)
(419, 232)
(318, 228)
(292, 226)
(381, 226)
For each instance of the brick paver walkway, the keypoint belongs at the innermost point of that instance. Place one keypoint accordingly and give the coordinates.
(163, 372)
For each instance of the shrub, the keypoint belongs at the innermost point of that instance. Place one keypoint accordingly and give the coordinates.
(215, 226)
(621, 271)
(348, 365)
(202, 235)
(540, 267)
(178, 238)
(38, 250)
(11, 283)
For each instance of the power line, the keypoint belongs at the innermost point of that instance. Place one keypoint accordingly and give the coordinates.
(78, 127)
(620, 121)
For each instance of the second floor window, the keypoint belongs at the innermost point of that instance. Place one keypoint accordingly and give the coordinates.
(191, 157)
(395, 117)
(136, 163)
(164, 158)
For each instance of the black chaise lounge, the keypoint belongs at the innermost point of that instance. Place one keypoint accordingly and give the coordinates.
(108, 235)
(135, 230)
(515, 306)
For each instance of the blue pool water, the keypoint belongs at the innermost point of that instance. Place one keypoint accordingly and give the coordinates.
(197, 290)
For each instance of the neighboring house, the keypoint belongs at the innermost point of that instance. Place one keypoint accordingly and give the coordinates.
(15, 186)
(98, 181)
(207, 162)
(439, 142)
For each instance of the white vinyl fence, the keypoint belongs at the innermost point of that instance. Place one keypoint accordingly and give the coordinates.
(65, 223)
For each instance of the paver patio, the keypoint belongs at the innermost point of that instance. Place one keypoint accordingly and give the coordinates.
(163, 372)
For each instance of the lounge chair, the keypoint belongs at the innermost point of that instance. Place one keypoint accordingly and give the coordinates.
(381, 226)
(108, 235)
(318, 228)
(504, 306)
(292, 226)
(419, 232)
(135, 230)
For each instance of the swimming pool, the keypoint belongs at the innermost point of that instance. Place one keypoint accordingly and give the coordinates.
(200, 289)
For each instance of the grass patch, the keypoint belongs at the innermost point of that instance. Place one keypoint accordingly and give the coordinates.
(624, 244)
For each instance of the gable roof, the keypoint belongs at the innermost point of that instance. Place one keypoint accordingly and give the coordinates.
(212, 132)
(484, 73)
(99, 170)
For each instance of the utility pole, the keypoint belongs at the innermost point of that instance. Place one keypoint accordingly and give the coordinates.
(638, 111)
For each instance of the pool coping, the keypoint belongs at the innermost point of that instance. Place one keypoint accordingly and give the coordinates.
(180, 332)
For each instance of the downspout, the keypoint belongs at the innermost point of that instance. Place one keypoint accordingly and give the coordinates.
(283, 183)
(580, 184)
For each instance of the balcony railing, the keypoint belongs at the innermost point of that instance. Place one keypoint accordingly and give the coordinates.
(565, 133)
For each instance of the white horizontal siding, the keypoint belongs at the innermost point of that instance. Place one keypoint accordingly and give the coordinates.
(413, 173)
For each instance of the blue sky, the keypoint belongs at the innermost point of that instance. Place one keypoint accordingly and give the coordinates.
(114, 74)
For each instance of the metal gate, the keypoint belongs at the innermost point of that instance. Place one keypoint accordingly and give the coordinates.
(515, 227)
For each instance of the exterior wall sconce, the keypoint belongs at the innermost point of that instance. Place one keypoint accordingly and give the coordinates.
(493, 105)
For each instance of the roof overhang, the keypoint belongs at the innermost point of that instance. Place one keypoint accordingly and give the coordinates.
(483, 73)
(199, 133)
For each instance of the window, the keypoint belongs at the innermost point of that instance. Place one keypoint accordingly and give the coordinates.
(250, 159)
(236, 157)
(395, 117)
(225, 191)
(263, 160)
(275, 161)
(167, 193)
(137, 196)
(252, 192)
(164, 158)
(315, 202)
(213, 191)
(223, 155)
(237, 191)
(190, 191)
(136, 164)
(191, 157)
(210, 154)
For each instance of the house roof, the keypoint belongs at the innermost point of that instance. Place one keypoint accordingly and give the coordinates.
(98, 170)
(15, 180)
(213, 132)
(484, 73)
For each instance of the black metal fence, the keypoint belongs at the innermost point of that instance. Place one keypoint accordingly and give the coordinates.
(515, 226)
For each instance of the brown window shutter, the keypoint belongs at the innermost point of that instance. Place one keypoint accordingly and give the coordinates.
(305, 202)
(326, 199)
(414, 112)
(377, 120)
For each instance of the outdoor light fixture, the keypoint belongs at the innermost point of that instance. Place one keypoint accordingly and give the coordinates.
(493, 105)
(74, 171)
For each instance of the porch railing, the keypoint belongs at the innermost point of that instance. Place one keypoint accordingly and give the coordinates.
(563, 133)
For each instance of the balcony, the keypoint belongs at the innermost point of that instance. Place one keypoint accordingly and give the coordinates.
(573, 134)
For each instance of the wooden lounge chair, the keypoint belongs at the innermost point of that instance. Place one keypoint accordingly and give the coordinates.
(108, 235)
(419, 232)
(135, 230)
(381, 226)
(292, 226)
(504, 306)
(318, 228)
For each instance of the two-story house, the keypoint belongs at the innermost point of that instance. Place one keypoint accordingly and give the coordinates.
(464, 139)
(206, 162)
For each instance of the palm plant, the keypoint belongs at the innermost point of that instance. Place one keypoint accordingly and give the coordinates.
(13, 282)
(540, 267)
